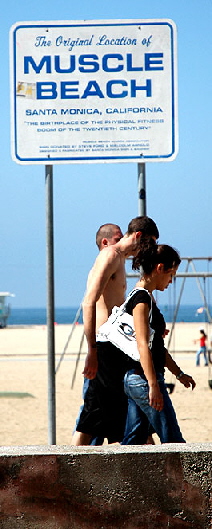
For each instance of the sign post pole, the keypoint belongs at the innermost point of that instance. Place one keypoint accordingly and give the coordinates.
(50, 305)
(141, 189)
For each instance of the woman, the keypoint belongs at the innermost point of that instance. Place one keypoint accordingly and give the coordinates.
(144, 382)
(202, 349)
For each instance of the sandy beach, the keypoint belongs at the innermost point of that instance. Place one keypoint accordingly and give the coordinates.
(24, 384)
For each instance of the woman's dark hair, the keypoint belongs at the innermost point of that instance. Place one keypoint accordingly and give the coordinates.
(152, 254)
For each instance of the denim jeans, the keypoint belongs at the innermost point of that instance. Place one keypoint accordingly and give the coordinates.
(164, 422)
(137, 425)
(199, 352)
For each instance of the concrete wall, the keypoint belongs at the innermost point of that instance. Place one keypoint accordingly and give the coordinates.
(155, 487)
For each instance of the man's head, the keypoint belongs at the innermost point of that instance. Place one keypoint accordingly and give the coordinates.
(107, 235)
(145, 225)
(139, 229)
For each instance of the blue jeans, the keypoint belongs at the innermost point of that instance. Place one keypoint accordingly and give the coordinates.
(137, 425)
(136, 428)
(199, 352)
(95, 441)
(164, 422)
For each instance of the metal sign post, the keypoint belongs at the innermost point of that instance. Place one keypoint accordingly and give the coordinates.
(141, 189)
(50, 305)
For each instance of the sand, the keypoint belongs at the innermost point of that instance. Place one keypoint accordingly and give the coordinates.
(24, 385)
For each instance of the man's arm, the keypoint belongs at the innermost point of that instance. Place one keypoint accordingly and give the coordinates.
(105, 266)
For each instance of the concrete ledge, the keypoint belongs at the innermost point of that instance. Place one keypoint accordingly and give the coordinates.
(142, 487)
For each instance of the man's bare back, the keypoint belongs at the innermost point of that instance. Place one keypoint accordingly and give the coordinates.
(114, 290)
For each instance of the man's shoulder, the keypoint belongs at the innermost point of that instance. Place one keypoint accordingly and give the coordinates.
(107, 261)
(109, 254)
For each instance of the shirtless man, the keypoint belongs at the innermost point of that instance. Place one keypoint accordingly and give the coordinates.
(107, 235)
(106, 288)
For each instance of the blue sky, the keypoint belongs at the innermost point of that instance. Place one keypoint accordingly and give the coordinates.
(179, 193)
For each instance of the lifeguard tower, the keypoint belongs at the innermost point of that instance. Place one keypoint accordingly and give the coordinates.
(4, 308)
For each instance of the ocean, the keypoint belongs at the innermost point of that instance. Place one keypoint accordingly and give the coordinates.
(67, 315)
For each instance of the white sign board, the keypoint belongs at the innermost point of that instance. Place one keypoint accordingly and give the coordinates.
(93, 91)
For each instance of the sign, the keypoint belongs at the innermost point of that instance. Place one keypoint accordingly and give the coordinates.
(93, 91)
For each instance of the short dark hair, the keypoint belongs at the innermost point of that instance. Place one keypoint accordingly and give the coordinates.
(144, 224)
(105, 231)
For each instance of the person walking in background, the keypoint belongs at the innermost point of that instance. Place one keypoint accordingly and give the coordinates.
(202, 349)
